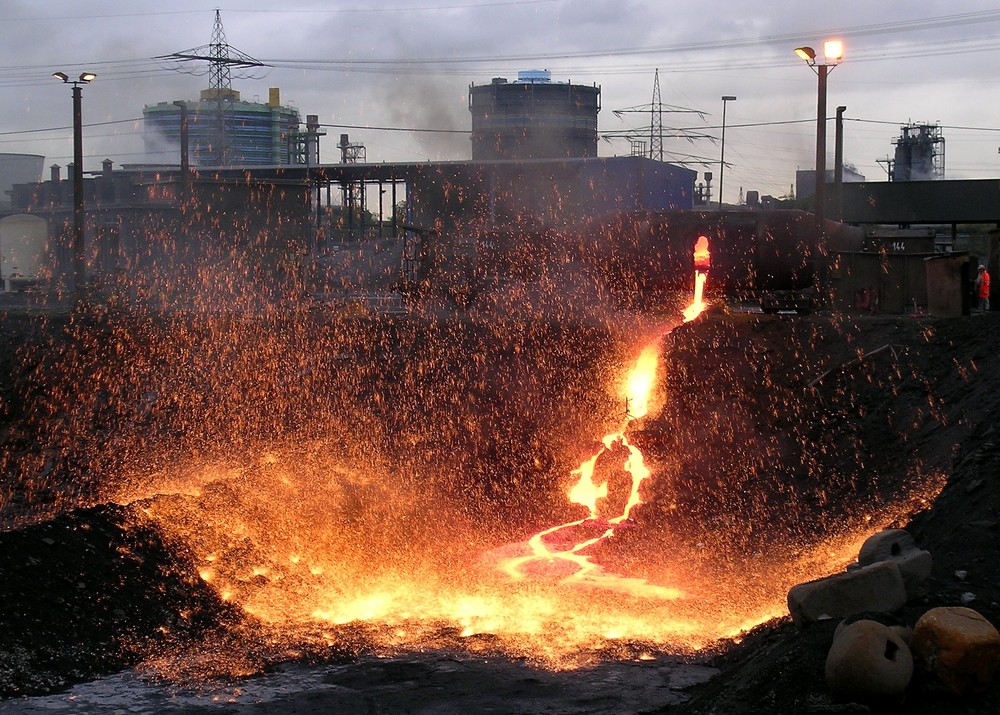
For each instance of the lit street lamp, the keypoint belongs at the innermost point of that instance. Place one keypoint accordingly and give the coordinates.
(79, 260)
(833, 52)
(722, 159)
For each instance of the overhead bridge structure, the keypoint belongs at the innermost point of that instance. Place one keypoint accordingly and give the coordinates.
(909, 260)
(908, 203)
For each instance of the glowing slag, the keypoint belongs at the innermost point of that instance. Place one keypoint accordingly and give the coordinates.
(325, 544)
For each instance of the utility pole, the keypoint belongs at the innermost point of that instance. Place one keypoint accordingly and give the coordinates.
(79, 248)
(726, 99)
(838, 164)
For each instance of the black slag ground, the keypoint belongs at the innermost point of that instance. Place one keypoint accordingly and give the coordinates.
(807, 414)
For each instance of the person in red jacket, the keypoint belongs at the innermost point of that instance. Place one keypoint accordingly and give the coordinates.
(983, 288)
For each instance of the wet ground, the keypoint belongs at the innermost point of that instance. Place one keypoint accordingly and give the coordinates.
(429, 684)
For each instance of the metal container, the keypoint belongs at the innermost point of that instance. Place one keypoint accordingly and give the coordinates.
(18, 169)
(23, 241)
(753, 254)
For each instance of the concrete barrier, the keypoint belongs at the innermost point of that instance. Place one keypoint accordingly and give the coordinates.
(877, 588)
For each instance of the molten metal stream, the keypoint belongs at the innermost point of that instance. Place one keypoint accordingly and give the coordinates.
(545, 553)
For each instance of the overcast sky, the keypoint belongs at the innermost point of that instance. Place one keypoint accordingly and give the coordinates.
(395, 74)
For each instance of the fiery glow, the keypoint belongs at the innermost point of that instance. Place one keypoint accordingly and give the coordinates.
(702, 258)
(549, 551)
(274, 541)
(331, 544)
(555, 552)
(702, 263)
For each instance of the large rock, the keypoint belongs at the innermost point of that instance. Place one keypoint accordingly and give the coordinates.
(877, 588)
(957, 648)
(868, 662)
(898, 546)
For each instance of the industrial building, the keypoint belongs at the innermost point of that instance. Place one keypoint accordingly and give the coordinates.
(142, 237)
(18, 169)
(919, 154)
(138, 223)
(223, 130)
(542, 192)
(533, 118)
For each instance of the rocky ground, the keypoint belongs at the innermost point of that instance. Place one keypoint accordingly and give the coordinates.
(842, 413)
(948, 393)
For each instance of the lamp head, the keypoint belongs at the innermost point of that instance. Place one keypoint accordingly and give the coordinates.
(833, 51)
(806, 53)
(729, 98)
(85, 78)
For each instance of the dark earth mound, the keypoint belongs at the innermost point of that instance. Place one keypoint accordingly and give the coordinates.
(952, 386)
(93, 591)
(775, 428)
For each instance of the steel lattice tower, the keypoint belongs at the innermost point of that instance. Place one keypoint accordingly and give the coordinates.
(219, 76)
(653, 148)
(221, 58)
(656, 121)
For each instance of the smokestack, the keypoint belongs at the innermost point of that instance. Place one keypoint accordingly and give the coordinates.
(185, 155)
(312, 139)
(54, 174)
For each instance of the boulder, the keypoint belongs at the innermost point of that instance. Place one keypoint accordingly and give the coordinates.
(898, 546)
(868, 662)
(957, 648)
(877, 588)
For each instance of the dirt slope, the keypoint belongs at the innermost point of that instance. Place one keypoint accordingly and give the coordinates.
(933, 402)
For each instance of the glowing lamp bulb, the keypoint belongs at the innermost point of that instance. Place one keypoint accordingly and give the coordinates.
(833, 50)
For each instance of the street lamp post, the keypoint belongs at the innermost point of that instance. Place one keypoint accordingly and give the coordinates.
(79, 256)
(833, 52)
(722, 159)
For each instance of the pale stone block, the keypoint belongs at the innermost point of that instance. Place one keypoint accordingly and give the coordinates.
(897, 545)
(958, 648)
(877, 588)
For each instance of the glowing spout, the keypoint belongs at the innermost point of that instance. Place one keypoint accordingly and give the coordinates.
(702, 262)
(702, 258)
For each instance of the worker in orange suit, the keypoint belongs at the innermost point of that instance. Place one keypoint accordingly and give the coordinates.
(983, 288)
